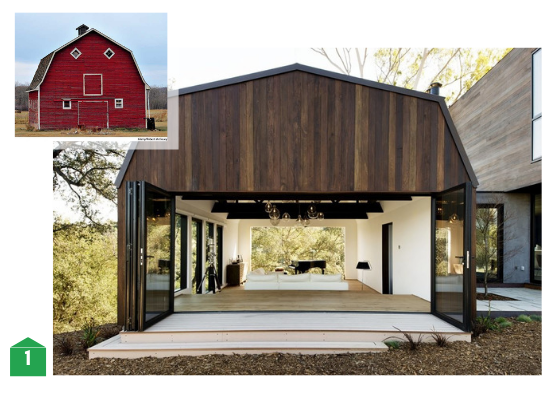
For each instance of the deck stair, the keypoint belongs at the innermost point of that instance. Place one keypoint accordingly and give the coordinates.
(252, 333)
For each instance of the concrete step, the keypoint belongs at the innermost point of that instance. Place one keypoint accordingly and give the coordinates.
(261, 336)
(115, 348)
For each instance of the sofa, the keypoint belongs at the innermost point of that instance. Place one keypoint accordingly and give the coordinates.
(305, 281)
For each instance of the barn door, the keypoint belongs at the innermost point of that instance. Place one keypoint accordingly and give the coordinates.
(93, 114)
(149, 255)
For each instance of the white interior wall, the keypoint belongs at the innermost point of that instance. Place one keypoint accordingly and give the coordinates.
(350, 239)
(411, 235)
(411, 231)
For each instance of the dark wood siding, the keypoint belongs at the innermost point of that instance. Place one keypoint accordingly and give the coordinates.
(494, 121)
(300, 132)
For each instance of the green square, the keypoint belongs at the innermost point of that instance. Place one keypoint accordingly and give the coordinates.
(28, 358)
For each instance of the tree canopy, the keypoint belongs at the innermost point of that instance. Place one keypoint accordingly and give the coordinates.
(458, 69)
(83, 175)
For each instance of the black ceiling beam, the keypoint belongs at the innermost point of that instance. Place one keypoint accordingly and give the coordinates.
(297, 196)
(294, 208)
(331, 215)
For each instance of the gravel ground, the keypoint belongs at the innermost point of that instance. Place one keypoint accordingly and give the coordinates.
(515, 350)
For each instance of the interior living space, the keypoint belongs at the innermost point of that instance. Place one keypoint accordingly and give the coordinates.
(303, 202)
(407, 251)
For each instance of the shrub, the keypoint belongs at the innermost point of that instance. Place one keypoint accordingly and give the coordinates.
(412, 343)
(524, 319)
(502, 322)
(392, 344)
(66, 346)
(536, 317)
(90, 333)
(482, 324)
(440, 339)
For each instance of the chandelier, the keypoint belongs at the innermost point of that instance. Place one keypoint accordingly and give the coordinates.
(302, 220)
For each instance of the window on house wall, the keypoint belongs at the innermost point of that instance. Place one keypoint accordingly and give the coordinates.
(75, 53)
(66, 104)
(537, 105)
(109, 53)
(119, 103)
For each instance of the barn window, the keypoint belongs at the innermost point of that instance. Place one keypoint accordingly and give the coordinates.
(109, 53)
(93, 84)
(66, 104)
(75, 53)
(119, 103)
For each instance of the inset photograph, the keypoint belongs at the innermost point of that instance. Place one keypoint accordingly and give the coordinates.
(91, 75)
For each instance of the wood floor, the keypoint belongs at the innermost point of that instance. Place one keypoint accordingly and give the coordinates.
(354, 300)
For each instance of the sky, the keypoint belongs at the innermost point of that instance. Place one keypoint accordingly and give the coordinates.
(208, 41)
(149, 45)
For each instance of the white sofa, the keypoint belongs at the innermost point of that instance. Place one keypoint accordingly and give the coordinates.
(305, 281)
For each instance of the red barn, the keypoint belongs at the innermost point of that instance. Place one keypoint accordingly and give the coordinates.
(91, 81)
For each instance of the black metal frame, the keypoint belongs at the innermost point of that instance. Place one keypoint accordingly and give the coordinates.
(219, 253)
(467, 297)
(534, 116)
(136, 243)
(183, 220)
(386, 256)
(533, 237)
(199, 269)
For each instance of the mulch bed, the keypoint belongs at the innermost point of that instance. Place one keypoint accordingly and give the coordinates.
(493, 297)
(515, 350)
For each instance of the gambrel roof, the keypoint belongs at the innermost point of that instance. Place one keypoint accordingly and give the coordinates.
(44, 64)
(276, 103)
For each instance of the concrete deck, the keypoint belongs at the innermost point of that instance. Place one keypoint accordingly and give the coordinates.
(528, 301)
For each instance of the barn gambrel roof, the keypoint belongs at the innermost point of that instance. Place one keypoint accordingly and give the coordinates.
(332, 75)
(44, 64)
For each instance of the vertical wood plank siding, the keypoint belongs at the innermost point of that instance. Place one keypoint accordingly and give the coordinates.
(299, 132)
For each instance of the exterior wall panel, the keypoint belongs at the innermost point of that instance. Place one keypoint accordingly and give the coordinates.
(299, 132)
(494, 121)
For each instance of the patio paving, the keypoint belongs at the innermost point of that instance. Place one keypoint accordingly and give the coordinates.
(528, 301)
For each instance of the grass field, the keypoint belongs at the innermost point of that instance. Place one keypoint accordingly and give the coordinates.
(22, 128)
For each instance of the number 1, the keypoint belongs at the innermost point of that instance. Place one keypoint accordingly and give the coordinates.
(28, 354)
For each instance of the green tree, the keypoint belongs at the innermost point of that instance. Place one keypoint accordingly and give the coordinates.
(84, 275)
(278, 246)
(458, 69)
(83, 176)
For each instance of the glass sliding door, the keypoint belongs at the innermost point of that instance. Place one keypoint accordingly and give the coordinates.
(452, 256)
(196, 255)
(159, 279)
(536, 276)
(181, 252)
(219, 253)
(150, 255)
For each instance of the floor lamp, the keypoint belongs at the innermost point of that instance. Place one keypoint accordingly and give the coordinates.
(363, 265)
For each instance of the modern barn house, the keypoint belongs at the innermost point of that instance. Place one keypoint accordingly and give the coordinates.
(92, 82)
(383, 163)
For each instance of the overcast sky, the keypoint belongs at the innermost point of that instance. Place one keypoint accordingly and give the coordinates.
(144, 34)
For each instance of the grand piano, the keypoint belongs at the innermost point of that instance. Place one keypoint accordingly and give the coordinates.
(304, 266)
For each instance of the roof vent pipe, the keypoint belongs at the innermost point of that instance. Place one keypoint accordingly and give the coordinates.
(82, 29)
(434, 88)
